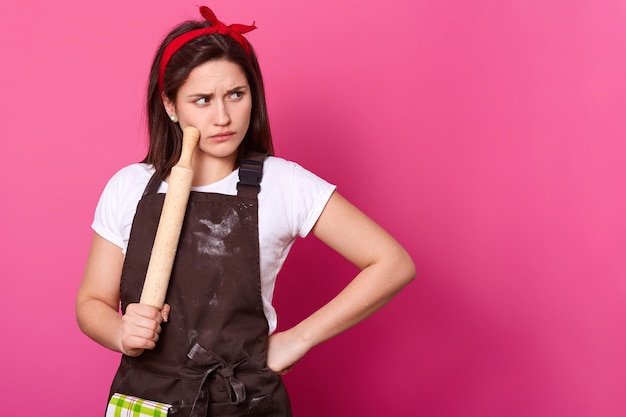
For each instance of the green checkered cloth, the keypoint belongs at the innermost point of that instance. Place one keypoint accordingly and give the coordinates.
(126, 406)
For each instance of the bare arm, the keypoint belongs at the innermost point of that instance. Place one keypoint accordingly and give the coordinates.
(97, 304)
(385, 267)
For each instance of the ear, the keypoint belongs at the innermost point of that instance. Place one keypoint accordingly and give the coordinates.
(170, 108)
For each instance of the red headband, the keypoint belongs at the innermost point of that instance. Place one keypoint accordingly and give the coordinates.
(235, 31)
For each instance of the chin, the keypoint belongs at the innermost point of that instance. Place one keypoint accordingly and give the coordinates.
(221, 152)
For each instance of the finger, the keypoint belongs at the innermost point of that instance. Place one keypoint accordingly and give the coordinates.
(141, 338)
(165, 312)
(148, 334)
(139, 322)
(135, 345)
(133, 352)
(145, 310)
(286, 370)
(142, 328)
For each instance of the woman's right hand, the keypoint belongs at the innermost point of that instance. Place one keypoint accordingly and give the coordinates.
(140, 328)
(98, 302)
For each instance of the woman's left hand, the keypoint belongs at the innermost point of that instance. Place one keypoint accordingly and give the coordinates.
(283, 351)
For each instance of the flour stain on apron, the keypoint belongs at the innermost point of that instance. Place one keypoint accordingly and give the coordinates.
(211, 240)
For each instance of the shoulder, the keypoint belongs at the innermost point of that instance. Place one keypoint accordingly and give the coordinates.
(118, 201)
(296, 195)
(133, 173)
(282, 170)
(126, 186)
(275, 164)
(130, 178)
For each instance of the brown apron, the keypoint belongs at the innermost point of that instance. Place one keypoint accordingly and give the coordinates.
(210, 357)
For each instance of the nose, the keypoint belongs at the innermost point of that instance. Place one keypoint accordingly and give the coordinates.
(222, 118)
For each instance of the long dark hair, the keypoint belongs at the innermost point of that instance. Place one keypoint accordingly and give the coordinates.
(165, 135)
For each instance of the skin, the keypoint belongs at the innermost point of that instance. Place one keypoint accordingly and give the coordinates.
(216, 99)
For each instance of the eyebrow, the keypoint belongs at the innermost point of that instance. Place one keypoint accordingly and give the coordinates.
(229, 91)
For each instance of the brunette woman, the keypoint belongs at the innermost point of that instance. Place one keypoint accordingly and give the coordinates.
(212, 349)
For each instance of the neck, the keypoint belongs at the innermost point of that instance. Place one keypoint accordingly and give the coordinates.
(207, 170)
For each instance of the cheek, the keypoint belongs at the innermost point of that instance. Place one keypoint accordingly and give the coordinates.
(187, 113)
(246, 115)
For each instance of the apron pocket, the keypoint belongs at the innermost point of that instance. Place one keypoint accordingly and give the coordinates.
(164, 388)
(124, 404)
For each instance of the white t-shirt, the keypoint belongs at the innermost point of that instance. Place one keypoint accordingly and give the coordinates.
(290, 202)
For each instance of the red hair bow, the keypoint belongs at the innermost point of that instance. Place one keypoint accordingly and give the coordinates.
(235, 31)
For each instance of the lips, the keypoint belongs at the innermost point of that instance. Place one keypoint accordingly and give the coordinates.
(222, 136)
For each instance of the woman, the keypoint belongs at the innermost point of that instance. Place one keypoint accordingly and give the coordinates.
(212, 349)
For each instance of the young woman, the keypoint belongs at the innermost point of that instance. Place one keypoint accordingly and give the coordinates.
(212, 349)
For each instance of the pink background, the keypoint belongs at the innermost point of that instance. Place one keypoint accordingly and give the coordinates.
(487, 136)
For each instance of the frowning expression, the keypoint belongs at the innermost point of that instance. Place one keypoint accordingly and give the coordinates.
(216, 99)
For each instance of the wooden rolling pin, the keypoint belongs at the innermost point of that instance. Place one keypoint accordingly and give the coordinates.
(170, 224)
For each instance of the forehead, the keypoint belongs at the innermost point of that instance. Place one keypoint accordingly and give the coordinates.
(215, 76)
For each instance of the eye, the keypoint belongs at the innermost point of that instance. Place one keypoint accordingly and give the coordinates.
(202, 100)
(236, 95)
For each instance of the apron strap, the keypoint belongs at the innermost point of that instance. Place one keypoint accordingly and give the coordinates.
(153, 185)
(250, 175)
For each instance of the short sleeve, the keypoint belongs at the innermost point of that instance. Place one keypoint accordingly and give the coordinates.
(117, 204)
(310, 194)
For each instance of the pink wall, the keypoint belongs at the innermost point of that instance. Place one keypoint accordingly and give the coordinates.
(487, 136)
